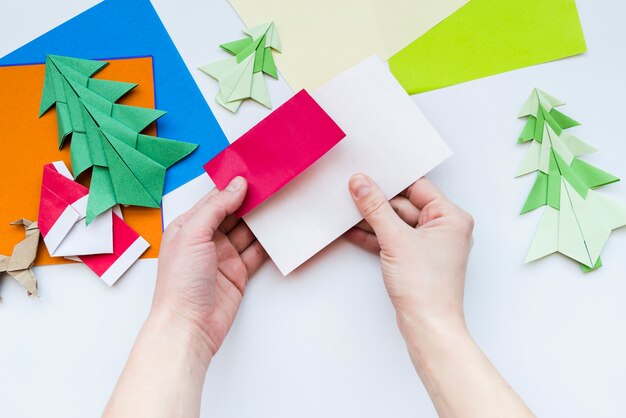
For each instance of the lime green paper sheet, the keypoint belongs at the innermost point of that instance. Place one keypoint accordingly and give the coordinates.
(487, 37)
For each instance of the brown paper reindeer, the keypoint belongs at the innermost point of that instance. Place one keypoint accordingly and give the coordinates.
(19, 264)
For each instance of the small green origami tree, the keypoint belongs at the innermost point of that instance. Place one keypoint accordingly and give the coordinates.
(128, 167)
(241, 77)
(577, 220)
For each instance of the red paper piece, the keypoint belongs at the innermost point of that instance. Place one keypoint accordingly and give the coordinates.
(58, 193)
(276, 150)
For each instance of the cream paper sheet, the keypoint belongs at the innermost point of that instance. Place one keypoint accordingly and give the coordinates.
(322, 38)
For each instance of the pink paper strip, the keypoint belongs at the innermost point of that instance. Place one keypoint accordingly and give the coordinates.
(276, 150)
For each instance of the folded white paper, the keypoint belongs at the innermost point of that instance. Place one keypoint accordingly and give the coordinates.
(387, 138)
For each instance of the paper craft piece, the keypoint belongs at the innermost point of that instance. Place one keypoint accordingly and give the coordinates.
(322, 39)
(241, 77)
(577, 220)
(387, 137)
(128, 246)
(62, 213)
(487, 37)
(128, 166)
(23, 159)
(132, 28)
(19, 264)
(276, 150)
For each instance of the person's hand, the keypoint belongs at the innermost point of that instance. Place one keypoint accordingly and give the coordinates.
(424, 241)
(206, 259)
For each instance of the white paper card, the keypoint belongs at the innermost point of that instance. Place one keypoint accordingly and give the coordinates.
(387, 138)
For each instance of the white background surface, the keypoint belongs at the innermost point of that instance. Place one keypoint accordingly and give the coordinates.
(323, 342)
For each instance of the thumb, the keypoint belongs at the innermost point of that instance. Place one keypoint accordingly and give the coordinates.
(374, 206)
(209, 213)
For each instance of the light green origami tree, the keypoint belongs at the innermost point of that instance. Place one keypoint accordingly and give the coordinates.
(241, 77)
(127, 167)
(577, 220)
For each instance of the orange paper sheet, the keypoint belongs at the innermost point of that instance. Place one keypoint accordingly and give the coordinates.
(28, 143)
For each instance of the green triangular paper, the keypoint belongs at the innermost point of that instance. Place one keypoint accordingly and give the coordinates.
(563, 120)
(586, 269)
(258, 59)
(164, 151)
(539, 127)
(528, 133)
(79, 154)
(141, 186)
(538, 196)
(102, 195)
(235, 47)
(269, 67)
(219, 69)
(592, 176)
(570, 175)
(232, 106)
(259, 90)
(554, 184)
(237, 84)
(110, 90)
(86, 67)
(136, 118)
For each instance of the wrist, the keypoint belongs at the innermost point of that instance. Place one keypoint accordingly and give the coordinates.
(418, 328)
(185, 336)
(430, 340)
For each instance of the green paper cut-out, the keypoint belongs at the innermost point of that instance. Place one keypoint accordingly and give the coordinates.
(577, 220)
(539, 127)
(128, 167)
(592, 176)
(269, 67)
(241, 77)
(586, 269)
(552, 122)
(237, 84)
(564, 121)
(554, 184)
(538, 196)
(528, 134)
(236, 47)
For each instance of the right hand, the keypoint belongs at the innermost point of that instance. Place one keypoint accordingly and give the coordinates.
(424, 242)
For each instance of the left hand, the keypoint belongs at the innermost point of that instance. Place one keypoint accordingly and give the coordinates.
(207, 257)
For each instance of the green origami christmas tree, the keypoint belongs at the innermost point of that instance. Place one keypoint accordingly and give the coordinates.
(577, 220)
(241, 77)
(128, 167)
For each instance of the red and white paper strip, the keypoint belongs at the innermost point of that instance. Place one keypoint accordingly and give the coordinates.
(128, 246)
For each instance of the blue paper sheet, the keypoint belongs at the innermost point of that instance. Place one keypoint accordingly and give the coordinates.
(132, 28)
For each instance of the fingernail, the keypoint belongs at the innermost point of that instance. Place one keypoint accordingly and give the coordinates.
(235, 184)
(360, 186)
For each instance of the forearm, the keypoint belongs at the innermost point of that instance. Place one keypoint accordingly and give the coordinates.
(459, 378)
(164, 374)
